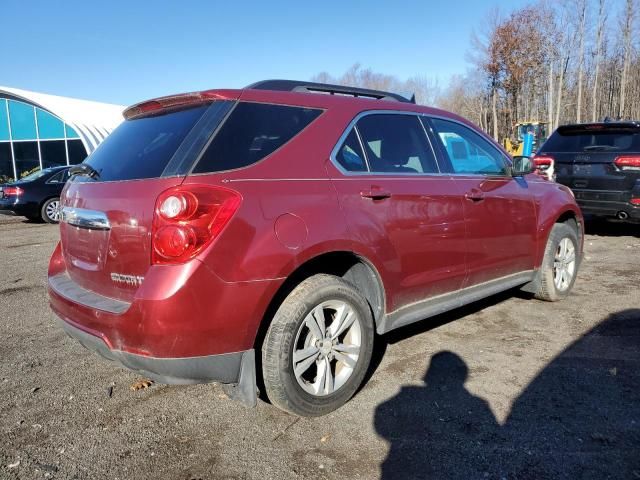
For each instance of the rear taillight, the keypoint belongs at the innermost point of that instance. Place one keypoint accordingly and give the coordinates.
(188, 218)
(543, 164)
(542, 161)
(631, 162)
(635, 201)
(17, 191)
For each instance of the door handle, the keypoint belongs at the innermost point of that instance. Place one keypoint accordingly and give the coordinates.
(375, 193)
(474, 195)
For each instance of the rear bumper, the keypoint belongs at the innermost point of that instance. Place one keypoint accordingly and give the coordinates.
(236, 369)
(609, 208)
(224, 368)
(183, 325)
(609, 203)
(15, 207)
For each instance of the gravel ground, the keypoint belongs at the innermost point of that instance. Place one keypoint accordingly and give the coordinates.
(506, 388)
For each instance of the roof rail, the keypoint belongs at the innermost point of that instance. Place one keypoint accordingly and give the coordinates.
(311, 87)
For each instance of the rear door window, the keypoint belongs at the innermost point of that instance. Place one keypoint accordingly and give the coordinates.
(251, 132)
(468, 152)
(142, 147)
(396, 143)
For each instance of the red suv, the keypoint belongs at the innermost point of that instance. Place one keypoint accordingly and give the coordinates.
(297, 220)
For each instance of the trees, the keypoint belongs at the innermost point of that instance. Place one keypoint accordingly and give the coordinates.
(549, 61)
(425, 89)
(542, 63)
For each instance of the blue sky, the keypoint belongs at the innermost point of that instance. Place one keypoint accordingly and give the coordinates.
(126, 51)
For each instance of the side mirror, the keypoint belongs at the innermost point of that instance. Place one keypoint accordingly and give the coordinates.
(522, 165)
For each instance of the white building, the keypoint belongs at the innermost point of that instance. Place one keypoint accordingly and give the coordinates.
(39, 130)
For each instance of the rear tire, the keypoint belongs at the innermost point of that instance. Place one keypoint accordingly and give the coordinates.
(50, 210)
(560, 264)
(318, 347)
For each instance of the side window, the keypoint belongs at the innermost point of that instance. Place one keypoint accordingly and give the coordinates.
(253, 131)
(58, 177)
(396, 143)
(468, 151)
(350, 155)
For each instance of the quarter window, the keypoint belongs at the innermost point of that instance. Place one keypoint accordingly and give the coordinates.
(60, 177)
(350, 155)
(396, 143)
(253, 131)
(468, 152)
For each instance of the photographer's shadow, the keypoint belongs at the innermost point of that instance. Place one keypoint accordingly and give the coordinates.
(429, 427)
(578, 419)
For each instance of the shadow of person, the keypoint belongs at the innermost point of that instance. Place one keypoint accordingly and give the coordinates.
(438, 430)
(579, 418)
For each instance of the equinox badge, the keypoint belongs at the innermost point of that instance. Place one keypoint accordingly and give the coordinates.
(133, 280)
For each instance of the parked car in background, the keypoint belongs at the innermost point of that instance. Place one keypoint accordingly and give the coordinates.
(36, 196)
(600, 162)
(296, 220)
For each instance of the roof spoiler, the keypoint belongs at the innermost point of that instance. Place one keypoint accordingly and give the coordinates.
(326, 88)
(602, 126)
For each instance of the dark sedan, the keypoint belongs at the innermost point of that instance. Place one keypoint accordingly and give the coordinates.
(36, 196)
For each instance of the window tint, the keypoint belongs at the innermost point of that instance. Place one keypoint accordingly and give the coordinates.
(253, 131)
(6, 164)
(4, 122)
(54, 153)
(48, 125)
(468, 151)
(77, 152)
(139, 148)
(396, 143)
(350, 155)
(23, 121)
(60, 177)
(26, 156)
(587, 141)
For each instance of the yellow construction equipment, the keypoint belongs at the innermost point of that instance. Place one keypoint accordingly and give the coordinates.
(518, 144)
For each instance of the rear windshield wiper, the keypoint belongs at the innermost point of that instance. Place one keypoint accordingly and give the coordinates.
(593, 148)
(84, 169)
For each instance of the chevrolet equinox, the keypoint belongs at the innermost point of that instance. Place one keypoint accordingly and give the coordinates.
(296, 221)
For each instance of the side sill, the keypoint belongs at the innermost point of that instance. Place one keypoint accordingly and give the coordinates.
(449, 301)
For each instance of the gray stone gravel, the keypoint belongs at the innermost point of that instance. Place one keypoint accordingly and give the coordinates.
(516, 389)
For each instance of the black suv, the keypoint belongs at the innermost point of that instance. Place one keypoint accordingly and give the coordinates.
(600, 162)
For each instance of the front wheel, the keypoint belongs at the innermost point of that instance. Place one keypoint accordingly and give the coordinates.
(318, 347)
(50, 211)
(560, 264)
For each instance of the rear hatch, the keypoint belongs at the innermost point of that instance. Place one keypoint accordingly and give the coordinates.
(590, 158)
(108, 210)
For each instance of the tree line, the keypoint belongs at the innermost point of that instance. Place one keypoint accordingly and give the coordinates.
(554, 62)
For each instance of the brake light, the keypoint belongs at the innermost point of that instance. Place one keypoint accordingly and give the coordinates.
(542, 161)
(631, 162)
(171, 101)
(188, 218)
(635, 201)
(17, 191)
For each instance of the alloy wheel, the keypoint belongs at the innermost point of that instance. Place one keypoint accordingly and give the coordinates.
(564, 264)
(327, 347)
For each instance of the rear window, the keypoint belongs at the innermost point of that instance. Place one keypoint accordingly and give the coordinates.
(590, 141)
(253, 131)
(142, 147)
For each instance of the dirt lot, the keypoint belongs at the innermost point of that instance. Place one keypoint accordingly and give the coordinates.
(508, 388)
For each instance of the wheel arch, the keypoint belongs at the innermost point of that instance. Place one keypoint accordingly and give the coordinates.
(354, 268)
